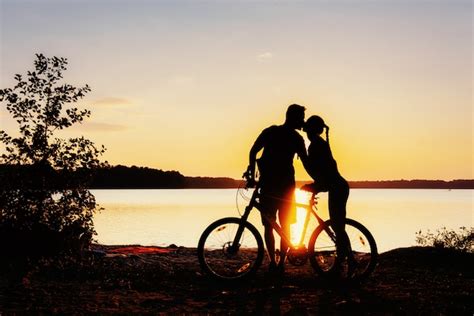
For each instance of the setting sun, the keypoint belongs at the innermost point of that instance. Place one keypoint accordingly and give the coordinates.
(301, 197)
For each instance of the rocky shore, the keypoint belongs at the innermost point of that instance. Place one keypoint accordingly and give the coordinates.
(151, 280)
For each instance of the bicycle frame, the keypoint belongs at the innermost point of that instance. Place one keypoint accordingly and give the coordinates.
(310, 209)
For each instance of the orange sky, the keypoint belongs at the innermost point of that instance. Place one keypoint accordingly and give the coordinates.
(188, 86)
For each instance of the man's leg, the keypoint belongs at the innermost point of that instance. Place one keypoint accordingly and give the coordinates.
(270, 242)
(283, 245)
(268, 213)
(287, 216)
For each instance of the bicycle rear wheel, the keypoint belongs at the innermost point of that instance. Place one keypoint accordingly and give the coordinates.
(359, 260)
(221, 259)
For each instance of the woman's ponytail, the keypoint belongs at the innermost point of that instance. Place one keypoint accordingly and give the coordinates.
(327, 133)
(327, 138)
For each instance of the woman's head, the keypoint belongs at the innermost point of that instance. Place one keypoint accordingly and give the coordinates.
(314, 125)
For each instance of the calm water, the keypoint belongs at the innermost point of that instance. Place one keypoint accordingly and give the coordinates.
(163, 217)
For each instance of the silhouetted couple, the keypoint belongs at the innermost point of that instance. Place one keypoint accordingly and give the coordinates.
(280, 143)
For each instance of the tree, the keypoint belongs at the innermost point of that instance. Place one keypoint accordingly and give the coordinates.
(46, 195)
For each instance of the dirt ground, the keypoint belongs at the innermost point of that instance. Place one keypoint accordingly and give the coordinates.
(420, 281)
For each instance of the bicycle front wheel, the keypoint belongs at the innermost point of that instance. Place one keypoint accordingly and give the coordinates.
(359, 259)
(223, 259)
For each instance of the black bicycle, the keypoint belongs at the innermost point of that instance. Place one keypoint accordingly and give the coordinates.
(231, 248)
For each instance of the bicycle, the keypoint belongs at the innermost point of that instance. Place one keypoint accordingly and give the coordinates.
(232, 249)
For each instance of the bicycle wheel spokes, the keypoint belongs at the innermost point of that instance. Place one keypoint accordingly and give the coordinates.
(355, 262)
(360, 256)
(325, 251)
(223, 259)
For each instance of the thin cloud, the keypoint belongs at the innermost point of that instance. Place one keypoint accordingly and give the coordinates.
(182, 80)
(265, 56)
(112, 101)
(101, 127)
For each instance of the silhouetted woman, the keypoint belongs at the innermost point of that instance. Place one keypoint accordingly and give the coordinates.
(322, 167)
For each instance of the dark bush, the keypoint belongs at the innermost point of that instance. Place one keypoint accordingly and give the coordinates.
(462, 240)
(45, 206)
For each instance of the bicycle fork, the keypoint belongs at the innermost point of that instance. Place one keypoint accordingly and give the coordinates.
(235, 243)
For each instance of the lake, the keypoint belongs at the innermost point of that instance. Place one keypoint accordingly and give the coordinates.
(162, 217)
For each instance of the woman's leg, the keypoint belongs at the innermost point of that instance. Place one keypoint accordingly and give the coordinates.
(338, 197)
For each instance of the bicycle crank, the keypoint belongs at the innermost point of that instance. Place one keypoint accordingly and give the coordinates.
(298, 256)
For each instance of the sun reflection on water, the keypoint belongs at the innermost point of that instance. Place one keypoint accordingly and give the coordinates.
(301, 197)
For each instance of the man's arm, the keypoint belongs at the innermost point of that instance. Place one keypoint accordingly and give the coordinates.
(257, 146)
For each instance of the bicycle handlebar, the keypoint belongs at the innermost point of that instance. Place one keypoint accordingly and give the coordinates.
(249, 178)
(250, 182)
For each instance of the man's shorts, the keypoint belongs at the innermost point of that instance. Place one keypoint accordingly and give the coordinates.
(281, 201)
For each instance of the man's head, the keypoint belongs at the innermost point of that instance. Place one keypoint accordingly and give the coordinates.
(295, 116)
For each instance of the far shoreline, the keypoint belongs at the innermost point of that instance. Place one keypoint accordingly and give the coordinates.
(123, 177)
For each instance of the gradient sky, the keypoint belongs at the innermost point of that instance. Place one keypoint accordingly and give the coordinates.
(189, 85)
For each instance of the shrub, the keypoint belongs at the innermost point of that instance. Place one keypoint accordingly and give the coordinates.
(45, 206)
(462, 240)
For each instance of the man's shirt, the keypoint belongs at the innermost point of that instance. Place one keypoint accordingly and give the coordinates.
(280, 144)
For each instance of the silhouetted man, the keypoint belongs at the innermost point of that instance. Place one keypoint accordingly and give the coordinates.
(277, 177)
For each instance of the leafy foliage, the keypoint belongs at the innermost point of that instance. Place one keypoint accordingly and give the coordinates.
(462, 240)
(47, 176)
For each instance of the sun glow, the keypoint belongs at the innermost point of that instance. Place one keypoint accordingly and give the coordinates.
(301, 197)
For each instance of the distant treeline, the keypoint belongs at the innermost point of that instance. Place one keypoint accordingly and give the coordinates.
(210, 183)
(122, 177)
(413, 184)
(142, 177)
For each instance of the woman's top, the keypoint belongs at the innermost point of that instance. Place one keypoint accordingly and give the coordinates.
(322, 166)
